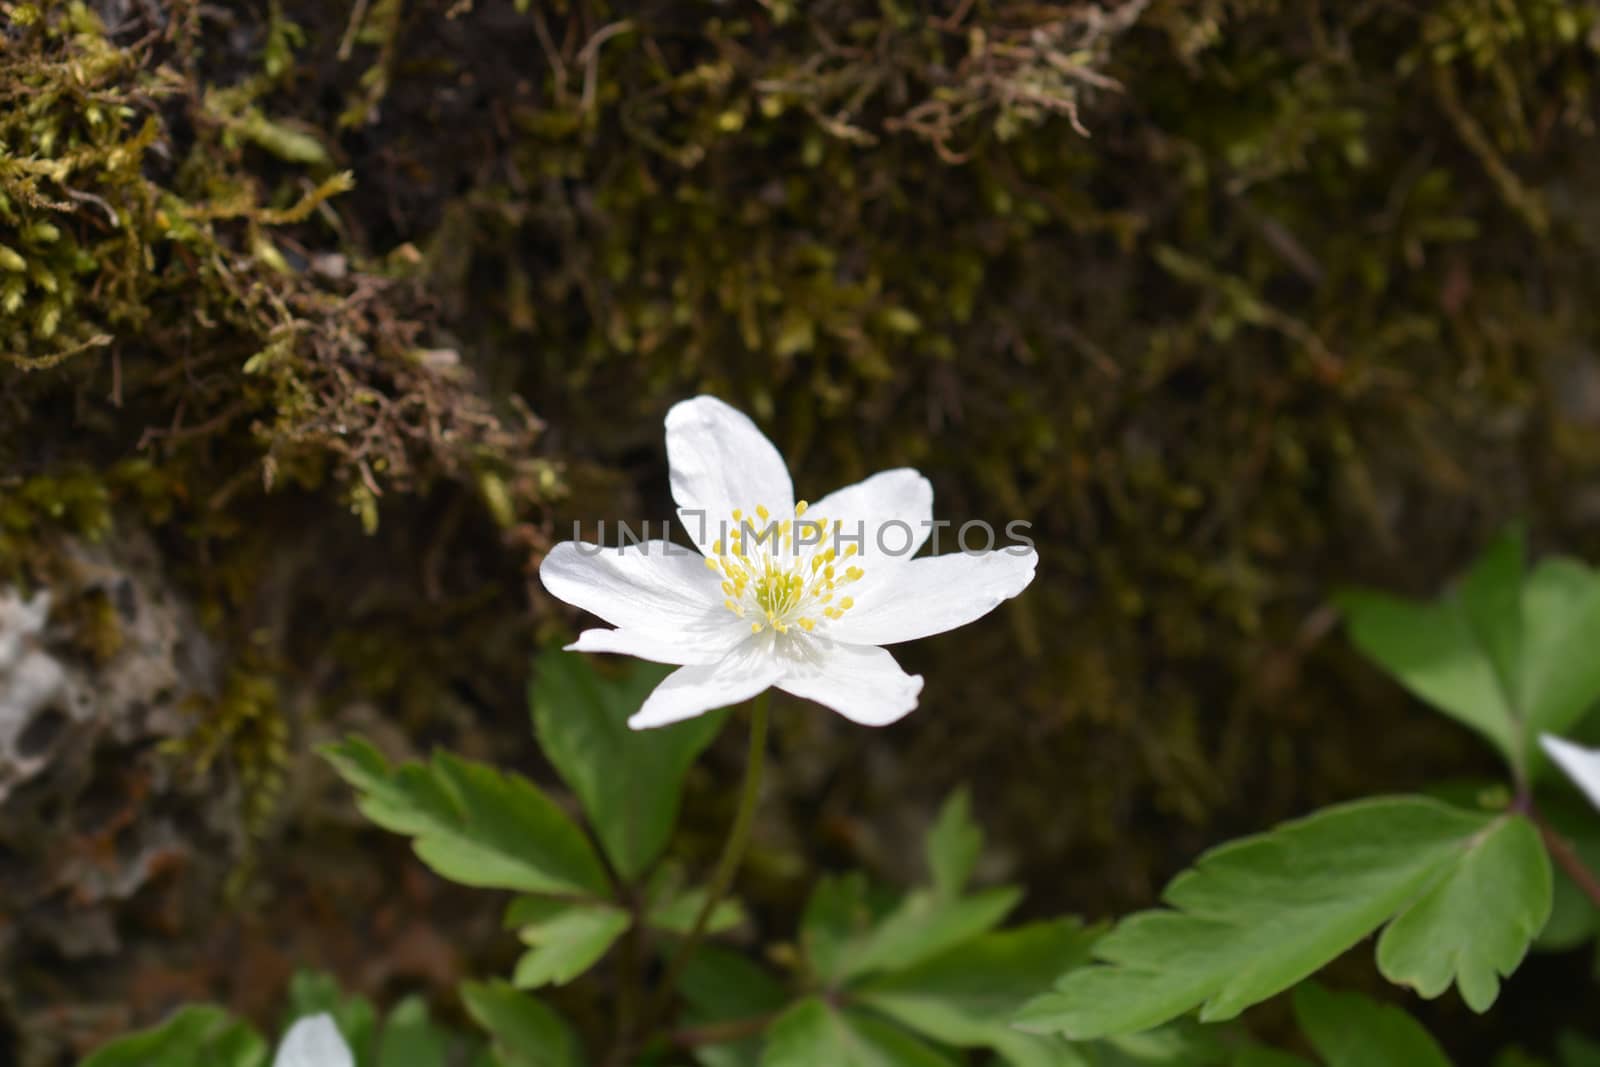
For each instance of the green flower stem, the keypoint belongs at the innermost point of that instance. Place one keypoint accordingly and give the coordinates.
(733, 851)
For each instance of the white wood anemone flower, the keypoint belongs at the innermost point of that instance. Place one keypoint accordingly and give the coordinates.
(780, 594)
(1581, 764)
(314, 1042)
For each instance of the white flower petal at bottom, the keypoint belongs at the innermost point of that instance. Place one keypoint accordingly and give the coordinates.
(694, 690)
(860, 682)
(933, 594)
(1581, 764)
(314, 1042)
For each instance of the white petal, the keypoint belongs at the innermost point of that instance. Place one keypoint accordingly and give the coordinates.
(934, 594)
(720, 462)
(695, 690)
(862, 683)
(314, 1042)
(888, 516)
(707, 648)
(1581, 764)
(657, 588)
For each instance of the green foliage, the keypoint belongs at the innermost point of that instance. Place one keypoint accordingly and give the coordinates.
(967, 996)
(202, 1035)
(566, 938)
(1574, 917)
(1475, 923)
(1350, 1030)
(1507, 652)
(814, 1032)
(525, 1032)
(1466, 893)
(472, 823)
(954, 845)
(198, 1035)
(629, 782)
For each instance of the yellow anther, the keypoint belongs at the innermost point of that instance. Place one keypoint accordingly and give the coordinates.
(807, 624)
(827, 571)
(731, 606)
(761, 510)
(727, 587)
(854, 574)
(832, 613)
(852, 550)
(846, 604)
(711, 564)
(831, 555)
(800, 509)
(755, 627)
(816, 562)
(716, 546)
(737, 514)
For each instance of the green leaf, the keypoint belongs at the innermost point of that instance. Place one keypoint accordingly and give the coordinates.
(411, 1038)
(838, 918)
(1350, 1030)
(628, 781)
(199, 1035)
(812, 1034)
(1504, 653)
(1184, 1043)
(1261, 1056)
(1256, 916)
(1560, 672)
(722, 986)
(672, 907)
(925, 925)
(954, 844)
(473, 824)
(566, 941)
(967, 996)
(1446, 936)
(525, 1032)
(845, 936)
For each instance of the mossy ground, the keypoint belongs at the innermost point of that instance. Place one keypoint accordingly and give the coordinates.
(1234, 301)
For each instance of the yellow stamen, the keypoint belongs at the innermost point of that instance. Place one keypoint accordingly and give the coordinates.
(807, 624)
(761, 510)
(800, 508)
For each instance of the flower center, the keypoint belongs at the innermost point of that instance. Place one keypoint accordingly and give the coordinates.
(783, 574)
